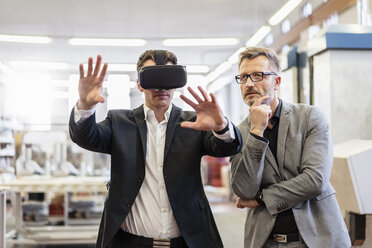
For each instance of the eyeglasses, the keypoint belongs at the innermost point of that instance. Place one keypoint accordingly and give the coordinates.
(255, 77)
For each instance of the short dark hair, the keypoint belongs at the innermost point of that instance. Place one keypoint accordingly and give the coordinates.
(254, 52)
(150, 54)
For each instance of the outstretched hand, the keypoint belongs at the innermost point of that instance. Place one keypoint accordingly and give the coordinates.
(90, 86)
(209, 115)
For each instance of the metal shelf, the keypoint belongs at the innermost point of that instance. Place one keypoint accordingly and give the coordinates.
(74, 231)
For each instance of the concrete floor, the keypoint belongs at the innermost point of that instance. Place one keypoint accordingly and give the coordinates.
(230, 222)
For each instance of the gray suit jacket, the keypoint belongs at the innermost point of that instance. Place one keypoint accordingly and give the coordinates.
(300, 180)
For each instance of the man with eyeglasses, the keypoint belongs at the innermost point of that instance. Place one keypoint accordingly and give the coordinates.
(282, 173)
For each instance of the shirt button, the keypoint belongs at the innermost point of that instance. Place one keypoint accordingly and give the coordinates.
(162, 185)
(164, 210)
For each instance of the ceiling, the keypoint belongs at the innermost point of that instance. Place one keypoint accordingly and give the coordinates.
(149, 20)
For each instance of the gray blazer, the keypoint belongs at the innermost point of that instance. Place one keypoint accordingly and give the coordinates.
(300, 180)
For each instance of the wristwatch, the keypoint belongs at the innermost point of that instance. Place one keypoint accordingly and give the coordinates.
(259, 198)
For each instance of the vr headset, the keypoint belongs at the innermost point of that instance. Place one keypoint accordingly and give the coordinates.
(162, 76)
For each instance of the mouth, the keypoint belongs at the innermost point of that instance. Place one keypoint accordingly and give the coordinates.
(251, 94)
(162, 95)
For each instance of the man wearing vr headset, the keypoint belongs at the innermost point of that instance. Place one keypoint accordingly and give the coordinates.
(155, 195)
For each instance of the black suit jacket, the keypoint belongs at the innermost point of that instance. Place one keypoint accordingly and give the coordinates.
(123, 135)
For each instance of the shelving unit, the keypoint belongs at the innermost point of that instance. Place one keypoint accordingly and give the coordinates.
(80, 231)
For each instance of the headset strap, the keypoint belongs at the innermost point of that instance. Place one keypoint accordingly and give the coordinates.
(160, 57)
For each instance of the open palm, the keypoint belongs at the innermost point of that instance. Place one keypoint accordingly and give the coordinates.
(208, 113)
(90, 86)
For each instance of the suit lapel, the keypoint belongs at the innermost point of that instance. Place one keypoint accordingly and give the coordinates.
(171, 126)
(269, 157)
(139, 116)
(285, 117)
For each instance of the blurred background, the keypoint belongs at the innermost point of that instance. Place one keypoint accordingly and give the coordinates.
(50, 188)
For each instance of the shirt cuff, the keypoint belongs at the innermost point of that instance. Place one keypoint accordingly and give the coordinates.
(81, 115)
(260, 138)
(229, 135)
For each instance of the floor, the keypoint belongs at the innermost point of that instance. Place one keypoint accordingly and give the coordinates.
(230, 222)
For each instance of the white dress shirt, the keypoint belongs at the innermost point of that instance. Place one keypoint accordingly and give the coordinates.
(151, 214)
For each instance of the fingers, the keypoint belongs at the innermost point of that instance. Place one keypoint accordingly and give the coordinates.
(213, 98)
(103, 72)
(81, 69)
(260, 100)
(188, 124)
(204, 93)
(98, 65)
(194, 94)
(100, 99)
(188, 101)
(90, 66)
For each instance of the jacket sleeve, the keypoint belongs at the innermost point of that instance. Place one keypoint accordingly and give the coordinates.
(216, 147)
(91, 135)
(314, 170)
(247, 166)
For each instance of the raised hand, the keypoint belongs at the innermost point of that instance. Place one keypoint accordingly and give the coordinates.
(209, 115)
(90, 86)
(260, 114)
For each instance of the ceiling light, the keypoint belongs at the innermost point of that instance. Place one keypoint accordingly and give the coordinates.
(118, 67)
(218, 71)
(258, 36)
(201, 42)
(106, 42)
(284, 11)
(235, 57)
(212, 76)
(25, 39)
(197, 68)
(39, 65)
(223, 67)
(6, 70)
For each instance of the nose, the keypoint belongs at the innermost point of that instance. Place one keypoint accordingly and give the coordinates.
(248, 83)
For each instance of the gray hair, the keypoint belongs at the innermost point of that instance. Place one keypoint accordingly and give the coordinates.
(254, 52)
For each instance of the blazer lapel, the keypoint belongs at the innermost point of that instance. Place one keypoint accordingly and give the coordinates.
(139, 116)
(269, 157)
(171, 126)
(285, 117)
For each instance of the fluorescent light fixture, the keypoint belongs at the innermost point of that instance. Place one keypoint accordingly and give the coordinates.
(212, 76)
(39, 65)
(258, 36)
(197, 68)
(122, 67)
(223, 67)
(25, 39)
(284, 11)
(235, 57)
(201, 42)
(105, 42)
(6, 70)
(118, 67)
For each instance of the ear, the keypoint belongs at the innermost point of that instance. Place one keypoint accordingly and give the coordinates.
(139, 87)
(278, 80)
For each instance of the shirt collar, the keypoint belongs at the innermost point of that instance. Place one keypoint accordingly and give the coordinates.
(150, 115)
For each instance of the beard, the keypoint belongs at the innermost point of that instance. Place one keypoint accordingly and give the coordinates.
(250, 99)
